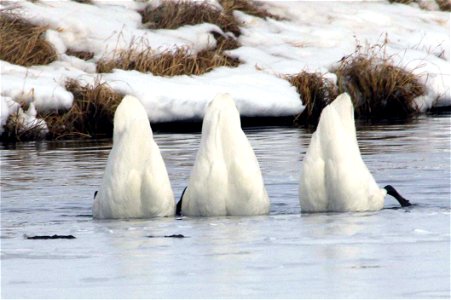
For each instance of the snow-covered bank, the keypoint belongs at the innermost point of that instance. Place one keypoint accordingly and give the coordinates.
(313, 36)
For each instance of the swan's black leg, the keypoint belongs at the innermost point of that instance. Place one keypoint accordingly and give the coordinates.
(392, 192)
(178, 208)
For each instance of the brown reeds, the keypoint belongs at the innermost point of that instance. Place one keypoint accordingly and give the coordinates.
(174, 14)
(316, 92)
(378, 88)
(23, 43)
(91, 114)
(169, 63)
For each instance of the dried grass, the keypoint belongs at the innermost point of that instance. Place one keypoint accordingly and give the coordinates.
(83, 1)
(379, 89)
(225, 42)
(445, 5)
(174, 14)
(15, 129)
(22, 43)
(169, 63)
(247, 6)
(401, 1)
(91, 114)
(85, 55)
(316, 92)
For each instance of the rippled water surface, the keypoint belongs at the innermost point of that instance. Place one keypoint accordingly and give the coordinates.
(47, 188)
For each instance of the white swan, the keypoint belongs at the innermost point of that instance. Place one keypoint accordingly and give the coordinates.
(335, 178)
(226, 178)
(135, 183)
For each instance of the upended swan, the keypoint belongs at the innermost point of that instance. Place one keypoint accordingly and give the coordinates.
(226, 178)
(135, 183)
(334, 177)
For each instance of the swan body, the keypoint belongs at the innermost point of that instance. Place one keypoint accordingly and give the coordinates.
(226, 178)
(335, 178)
(135, 183)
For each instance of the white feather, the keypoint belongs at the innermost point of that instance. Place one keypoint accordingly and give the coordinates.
(334, 176)
(226, 177)
(135, 183)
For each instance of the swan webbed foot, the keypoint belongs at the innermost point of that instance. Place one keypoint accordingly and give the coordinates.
(394, 193)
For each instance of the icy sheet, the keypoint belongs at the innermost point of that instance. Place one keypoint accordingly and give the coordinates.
(392, 253)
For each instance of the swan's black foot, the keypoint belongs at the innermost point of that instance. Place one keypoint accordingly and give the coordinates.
(178, 207)
(393, 192)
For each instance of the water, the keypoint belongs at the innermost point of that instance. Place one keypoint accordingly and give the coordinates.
(47, 188)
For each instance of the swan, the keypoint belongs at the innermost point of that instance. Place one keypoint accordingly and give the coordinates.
(335, 178)
(226, 178)
(135, 183)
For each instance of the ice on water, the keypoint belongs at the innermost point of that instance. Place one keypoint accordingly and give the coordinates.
(392, 253)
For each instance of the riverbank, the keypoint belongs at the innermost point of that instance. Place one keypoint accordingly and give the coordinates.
(276, 59)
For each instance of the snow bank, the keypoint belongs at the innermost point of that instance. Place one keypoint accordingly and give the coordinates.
(314, 37)
(185, 97)
(318, 34)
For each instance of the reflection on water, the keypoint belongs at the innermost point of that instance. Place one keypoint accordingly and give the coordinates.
(47, 188)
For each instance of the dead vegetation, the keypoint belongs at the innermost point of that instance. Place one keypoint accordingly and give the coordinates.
(91, 114)
(378, 88)
(401, 1)
(247, 6)
(23, 43)
(84, 55)
(169, 63)
(174, 14)
(83, 1)
(19, 129)
(445, 5)
(316, 92)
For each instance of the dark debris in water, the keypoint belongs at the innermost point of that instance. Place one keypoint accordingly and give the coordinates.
(175, 236)
(50, 237)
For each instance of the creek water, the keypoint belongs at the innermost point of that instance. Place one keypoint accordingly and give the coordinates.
(47, 188)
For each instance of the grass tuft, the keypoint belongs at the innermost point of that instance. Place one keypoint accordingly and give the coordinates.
(247, 6)
(316, 92)
(83, 1)
(91, 114)
(402, 1)
(23, 43)
(17, 129)
(174, 14)
(84, 55)
(445, 5)
(378, 88)
(169, 63)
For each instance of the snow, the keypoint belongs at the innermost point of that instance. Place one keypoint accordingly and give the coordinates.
(314, 36)
(185, 97)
